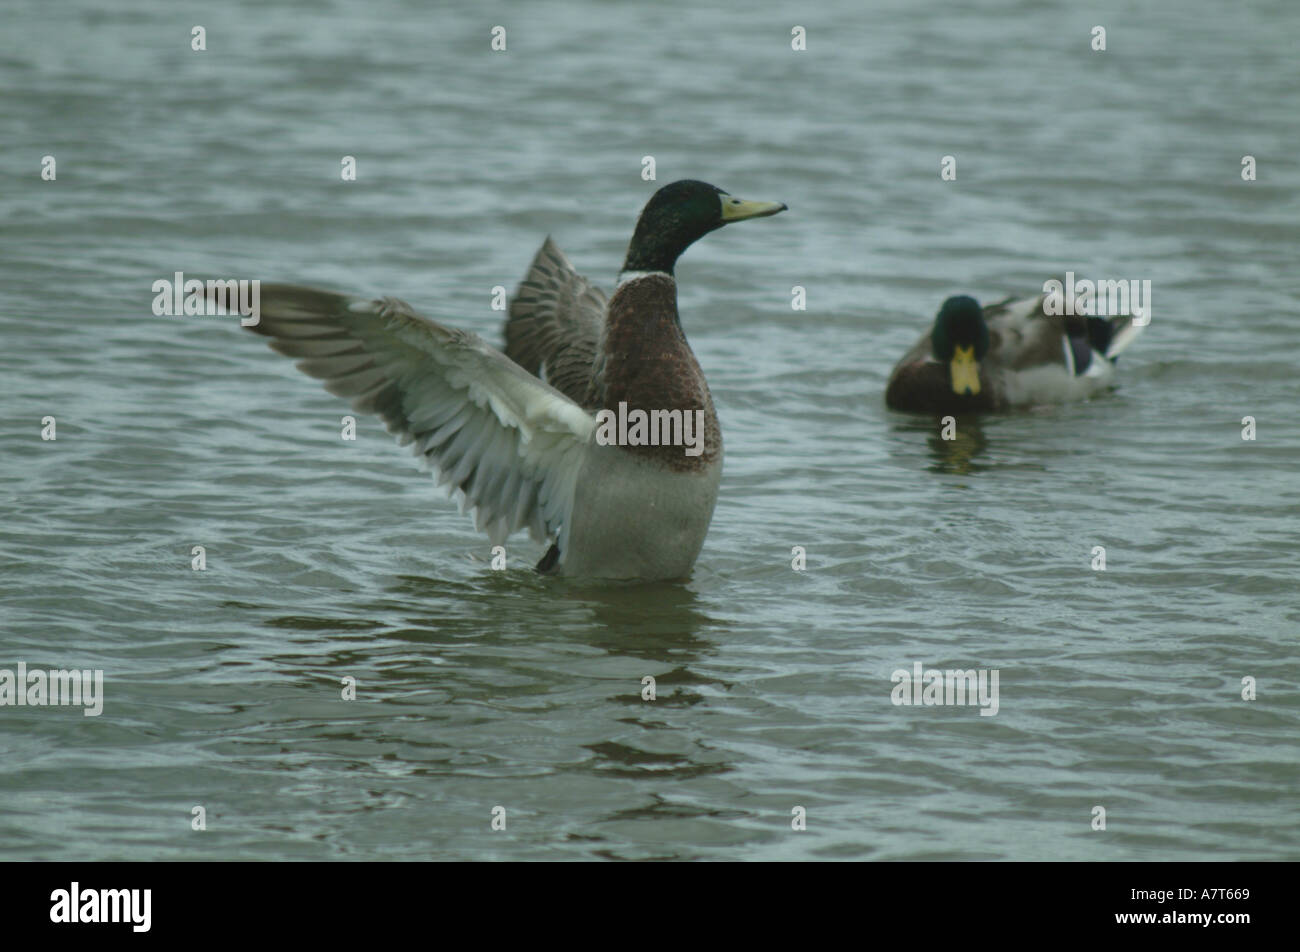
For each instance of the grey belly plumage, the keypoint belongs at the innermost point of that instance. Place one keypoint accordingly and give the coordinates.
(634, 518)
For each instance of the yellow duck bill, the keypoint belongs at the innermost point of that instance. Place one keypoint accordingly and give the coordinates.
(965, 371)
(738, 209)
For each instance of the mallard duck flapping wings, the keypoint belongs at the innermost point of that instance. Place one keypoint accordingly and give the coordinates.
(517, 435)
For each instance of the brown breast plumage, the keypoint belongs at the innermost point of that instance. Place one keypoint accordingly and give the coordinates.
(646, 365)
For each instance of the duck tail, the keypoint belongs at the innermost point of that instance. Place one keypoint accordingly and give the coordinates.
(1113, 334)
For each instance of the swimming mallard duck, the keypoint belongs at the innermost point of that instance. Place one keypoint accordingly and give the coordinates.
(1010, 354)
(525, 438)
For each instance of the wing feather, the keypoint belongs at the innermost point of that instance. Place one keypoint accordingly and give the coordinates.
(507, 444)
(556, 319)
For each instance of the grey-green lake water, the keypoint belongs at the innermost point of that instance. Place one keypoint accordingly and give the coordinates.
(477, 688)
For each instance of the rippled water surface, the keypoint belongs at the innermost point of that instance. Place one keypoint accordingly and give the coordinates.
(328, 559)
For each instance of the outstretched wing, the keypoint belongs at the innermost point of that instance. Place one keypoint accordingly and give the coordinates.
(555, 323)
(504, 440)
